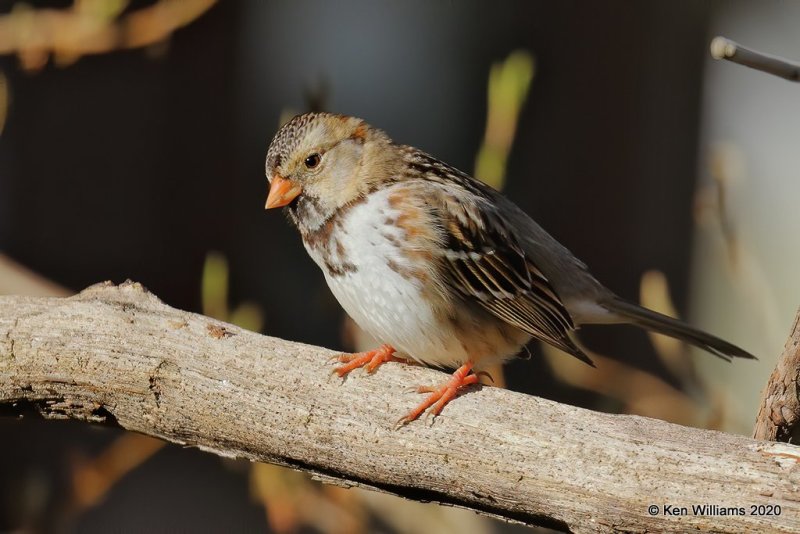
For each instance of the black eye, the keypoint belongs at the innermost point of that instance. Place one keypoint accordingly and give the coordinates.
(312, 161)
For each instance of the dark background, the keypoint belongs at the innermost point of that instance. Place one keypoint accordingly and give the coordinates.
(136, 165)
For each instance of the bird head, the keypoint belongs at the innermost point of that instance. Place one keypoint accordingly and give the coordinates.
(319, 162)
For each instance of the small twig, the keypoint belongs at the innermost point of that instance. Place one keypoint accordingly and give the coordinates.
(779, 414)
(722, 48)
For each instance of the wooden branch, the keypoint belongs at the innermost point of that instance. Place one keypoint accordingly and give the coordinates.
(118, 355)
(779, 414)
(722, 48)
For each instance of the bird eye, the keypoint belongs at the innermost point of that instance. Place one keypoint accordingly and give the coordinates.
(312, 161)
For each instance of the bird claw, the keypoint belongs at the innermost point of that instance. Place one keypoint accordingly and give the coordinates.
(370, 360)
(337, 371)
(439, 396)
(430, 418)
(400, 423)
(337, 358)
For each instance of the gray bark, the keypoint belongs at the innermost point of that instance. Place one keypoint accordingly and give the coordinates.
(118, 355)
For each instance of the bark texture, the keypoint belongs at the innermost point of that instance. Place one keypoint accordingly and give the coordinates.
(116, 354)
(779, 414)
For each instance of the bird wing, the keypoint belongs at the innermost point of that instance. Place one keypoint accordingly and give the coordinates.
(485, 264)
(484, 261)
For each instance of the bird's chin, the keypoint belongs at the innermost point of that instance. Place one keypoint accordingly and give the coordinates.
(298, 212)
(291, 212)
(307, 213)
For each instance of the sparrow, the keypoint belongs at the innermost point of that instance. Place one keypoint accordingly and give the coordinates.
(438, 266)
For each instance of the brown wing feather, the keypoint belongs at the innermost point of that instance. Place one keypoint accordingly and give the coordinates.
(487, 266)
(484, 261)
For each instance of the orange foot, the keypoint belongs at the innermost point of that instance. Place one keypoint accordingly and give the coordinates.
(440, 396)
(372, 359)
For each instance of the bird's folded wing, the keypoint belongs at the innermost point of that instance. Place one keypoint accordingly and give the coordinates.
(485, 264)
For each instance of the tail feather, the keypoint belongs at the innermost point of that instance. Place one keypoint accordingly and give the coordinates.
(666, 325)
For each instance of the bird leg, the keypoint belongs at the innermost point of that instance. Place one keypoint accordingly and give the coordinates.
(440, 396)
(371, 359)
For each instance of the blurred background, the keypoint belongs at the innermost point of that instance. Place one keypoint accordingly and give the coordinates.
(132, 144)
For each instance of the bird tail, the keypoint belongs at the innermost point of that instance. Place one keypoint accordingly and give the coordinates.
(657, 322)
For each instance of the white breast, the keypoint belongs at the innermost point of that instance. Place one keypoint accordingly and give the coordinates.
(388, 305)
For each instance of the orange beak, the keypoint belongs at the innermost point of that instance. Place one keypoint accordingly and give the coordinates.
(281, 192)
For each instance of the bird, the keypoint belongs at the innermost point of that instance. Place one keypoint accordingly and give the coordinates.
(439, 267)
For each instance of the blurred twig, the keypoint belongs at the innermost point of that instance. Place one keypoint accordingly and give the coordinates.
(713, 211)
(293, 501)
(214, 296)
(94, 478)
(722, 48)
(654, 294)
(509, 82)
(726, 168)
(90, 27)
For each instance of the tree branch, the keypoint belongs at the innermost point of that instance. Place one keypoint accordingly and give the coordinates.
(118, 355)
(722, 48)
(779, 414)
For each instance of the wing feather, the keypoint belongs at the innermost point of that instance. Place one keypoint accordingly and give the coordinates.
(487, 265)
(485, 262)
